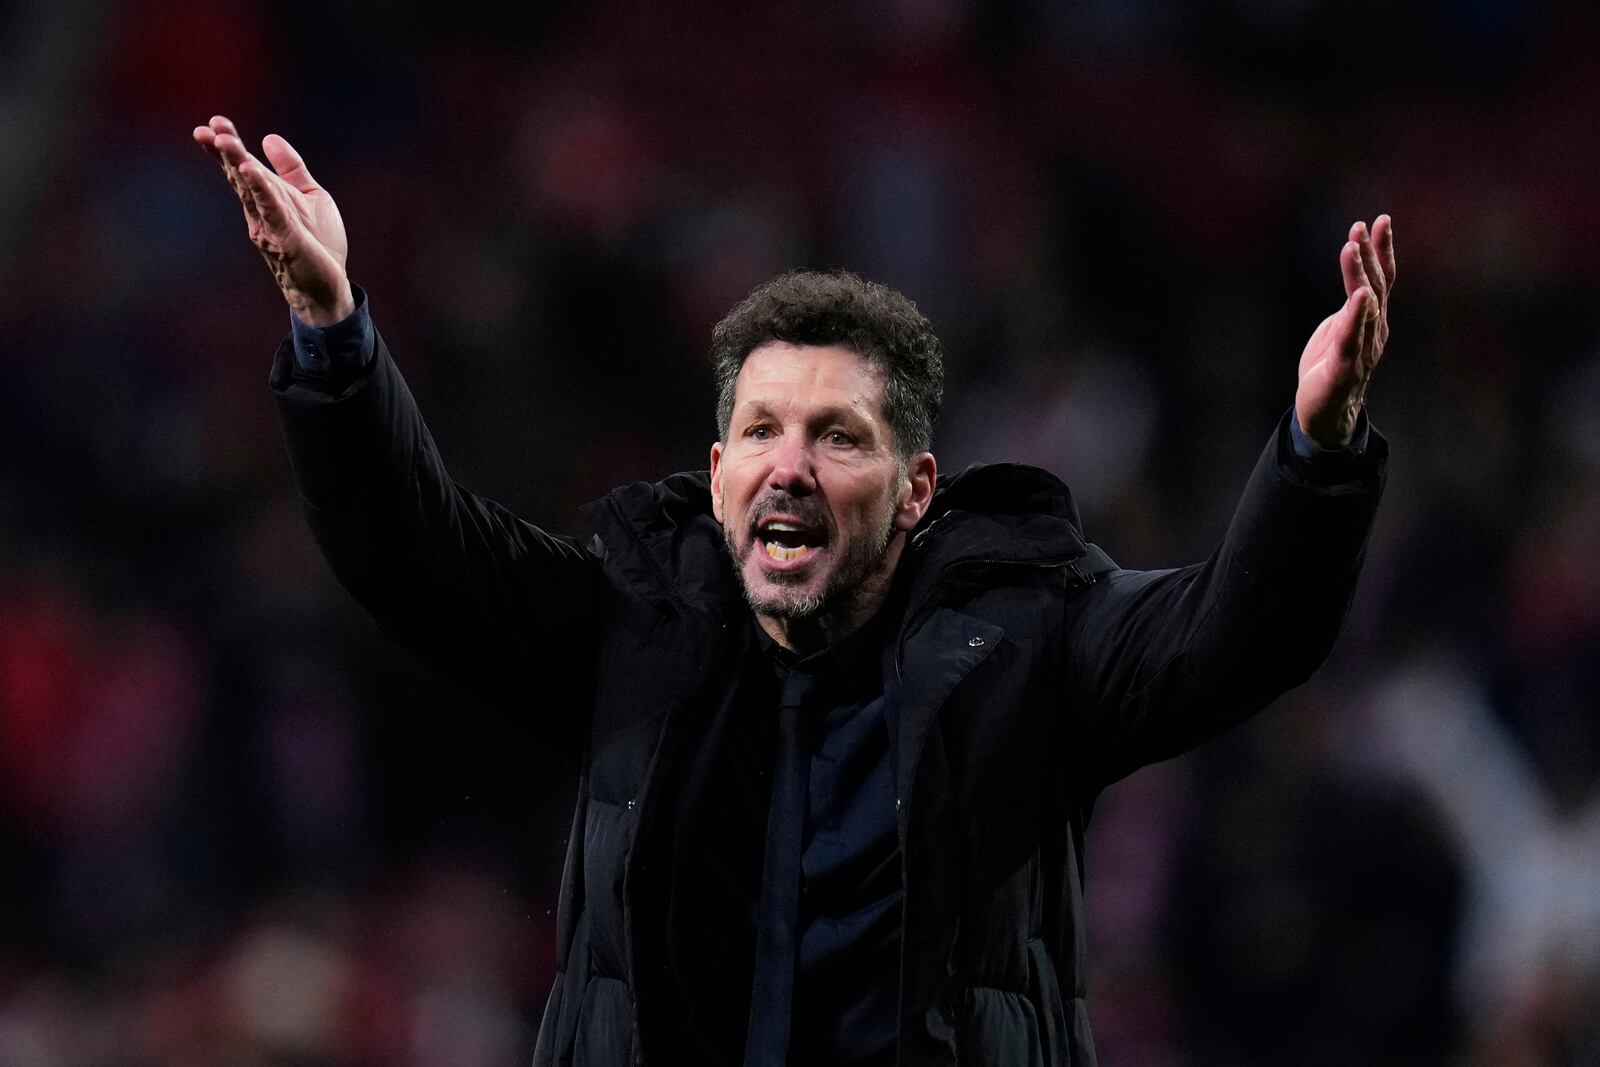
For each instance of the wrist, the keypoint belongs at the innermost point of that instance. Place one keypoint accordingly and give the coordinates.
(337, 307)
(1329, 436)
(336, 352)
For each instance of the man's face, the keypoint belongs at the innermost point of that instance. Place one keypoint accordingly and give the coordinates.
(808, 486)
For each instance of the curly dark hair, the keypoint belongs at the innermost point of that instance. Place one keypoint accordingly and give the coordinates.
(840, 308)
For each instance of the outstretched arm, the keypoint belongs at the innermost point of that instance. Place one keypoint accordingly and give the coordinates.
(1159, 661)
(496, 605)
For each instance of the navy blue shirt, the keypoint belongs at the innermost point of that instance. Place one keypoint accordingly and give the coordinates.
(847, 965)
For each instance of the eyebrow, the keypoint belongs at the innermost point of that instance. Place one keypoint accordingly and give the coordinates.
(832, 413)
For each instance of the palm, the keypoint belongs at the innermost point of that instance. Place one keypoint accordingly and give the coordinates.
(315, 226)
(1328, 382)
(1337, 364)
(311, 249)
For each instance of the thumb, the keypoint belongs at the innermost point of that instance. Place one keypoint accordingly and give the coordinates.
(287, 162)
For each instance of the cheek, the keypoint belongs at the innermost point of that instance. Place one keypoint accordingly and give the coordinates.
(869, 511)
(732, 505)
(728, 484)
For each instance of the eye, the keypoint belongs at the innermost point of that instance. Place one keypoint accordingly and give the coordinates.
(759, 433)
(839, 437)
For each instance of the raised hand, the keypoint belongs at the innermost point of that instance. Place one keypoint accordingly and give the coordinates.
(292, 220)
(1338, 361)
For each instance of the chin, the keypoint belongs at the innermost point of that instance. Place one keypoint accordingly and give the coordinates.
(774, 596)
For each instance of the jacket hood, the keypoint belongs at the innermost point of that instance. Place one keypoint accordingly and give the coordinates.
(998, 514)
(1004, 488)
(665, 540)
(1031, 510)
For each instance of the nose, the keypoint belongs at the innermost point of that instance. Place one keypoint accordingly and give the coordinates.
(792, 469)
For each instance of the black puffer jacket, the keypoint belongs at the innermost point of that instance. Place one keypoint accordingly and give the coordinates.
(1031, 673)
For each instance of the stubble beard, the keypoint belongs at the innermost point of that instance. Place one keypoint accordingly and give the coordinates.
(844, 588)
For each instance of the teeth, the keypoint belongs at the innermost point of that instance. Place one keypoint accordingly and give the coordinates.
(777, 551)
(784, 527)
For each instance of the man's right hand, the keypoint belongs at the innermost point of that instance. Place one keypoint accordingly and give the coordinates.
(292, 220)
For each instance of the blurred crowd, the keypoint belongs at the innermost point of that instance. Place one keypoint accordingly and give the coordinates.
(237, 827)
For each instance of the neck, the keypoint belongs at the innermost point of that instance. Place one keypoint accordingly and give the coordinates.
(834, 623)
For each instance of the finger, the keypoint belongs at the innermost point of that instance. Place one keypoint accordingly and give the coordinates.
(1369, 264)
(1350, 329)
(1350, 266)
(223, 124)
(230, 152)
(232, 149)
(270, 202)
(287, 162)
(1383, 238)
(206, 138)
(1371, 317)
(235, 156)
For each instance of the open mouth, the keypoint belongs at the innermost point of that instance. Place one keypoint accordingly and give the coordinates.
(787, 540)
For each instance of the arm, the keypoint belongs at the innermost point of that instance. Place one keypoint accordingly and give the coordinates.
(1160, 661)
(496, 605)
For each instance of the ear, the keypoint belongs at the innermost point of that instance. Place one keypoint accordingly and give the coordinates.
(716, 480)
(917, 491)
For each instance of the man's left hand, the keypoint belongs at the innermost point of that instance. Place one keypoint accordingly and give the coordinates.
(1339, 359)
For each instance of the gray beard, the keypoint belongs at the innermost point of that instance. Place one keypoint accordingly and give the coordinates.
(859, 564)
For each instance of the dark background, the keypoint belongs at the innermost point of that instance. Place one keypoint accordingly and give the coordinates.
(237, 827)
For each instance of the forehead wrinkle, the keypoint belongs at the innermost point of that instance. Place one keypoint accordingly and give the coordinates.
(782, 379)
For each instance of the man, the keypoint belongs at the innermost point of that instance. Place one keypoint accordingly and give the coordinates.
(839, 725)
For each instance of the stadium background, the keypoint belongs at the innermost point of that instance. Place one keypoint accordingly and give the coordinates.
(237, 827)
